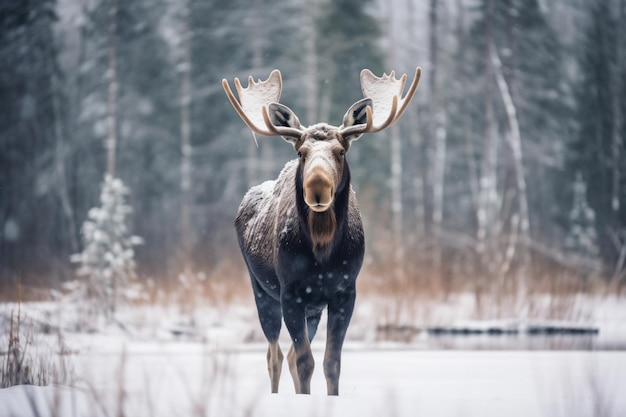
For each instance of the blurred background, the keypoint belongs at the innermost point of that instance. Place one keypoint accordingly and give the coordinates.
(507, 174)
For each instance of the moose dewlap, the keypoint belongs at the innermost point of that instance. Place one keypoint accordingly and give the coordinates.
(301, 235)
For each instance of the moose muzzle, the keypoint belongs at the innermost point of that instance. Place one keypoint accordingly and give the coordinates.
(319, 190)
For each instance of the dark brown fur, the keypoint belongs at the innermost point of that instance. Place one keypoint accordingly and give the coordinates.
(322, 228)
(301, 236)
(301, 261)
(302, 239)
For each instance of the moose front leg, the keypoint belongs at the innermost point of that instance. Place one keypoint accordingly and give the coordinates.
(339, 314)
(300, 358)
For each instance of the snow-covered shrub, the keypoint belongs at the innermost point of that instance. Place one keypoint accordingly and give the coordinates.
(108, 258)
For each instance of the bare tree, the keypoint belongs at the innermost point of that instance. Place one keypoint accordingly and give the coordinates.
(618, 125)
(60, 152)
(414, 133)
(186, 232)
(310, 60)
(487, 218)
(111, 142)
(396, 166)
(618, 237)
(267, 168)
(437, 141)
(520, 224)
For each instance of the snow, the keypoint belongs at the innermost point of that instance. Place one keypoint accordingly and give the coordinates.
(188, 379)
(211, 361)
(260, 197)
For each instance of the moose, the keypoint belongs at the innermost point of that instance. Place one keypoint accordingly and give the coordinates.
(301, 235)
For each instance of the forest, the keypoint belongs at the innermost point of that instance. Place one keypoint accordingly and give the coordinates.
(507, 173)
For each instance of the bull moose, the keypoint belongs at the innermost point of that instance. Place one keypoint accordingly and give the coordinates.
(301, 235)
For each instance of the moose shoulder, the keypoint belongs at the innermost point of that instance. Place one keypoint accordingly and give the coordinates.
(301, 235)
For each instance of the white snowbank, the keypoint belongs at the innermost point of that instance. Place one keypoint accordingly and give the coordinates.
(197, 382)
(210, 361)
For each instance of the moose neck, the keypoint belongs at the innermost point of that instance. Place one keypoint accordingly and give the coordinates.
(324, 229)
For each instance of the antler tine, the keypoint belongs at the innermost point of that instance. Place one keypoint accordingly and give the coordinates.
(386, 94)
(254, 100)
(409, 95)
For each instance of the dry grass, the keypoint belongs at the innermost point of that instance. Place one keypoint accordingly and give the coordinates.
(404, 291)
(27, 361)
(223, 284)
(414, 293)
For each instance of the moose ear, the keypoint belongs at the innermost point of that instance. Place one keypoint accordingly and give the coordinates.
(357, 115)
(282, 116)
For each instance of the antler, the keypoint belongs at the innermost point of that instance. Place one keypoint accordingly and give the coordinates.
(388, 103)
(254, 101)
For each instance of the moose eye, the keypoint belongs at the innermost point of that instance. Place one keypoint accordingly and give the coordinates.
(342, 152)
(299, 154)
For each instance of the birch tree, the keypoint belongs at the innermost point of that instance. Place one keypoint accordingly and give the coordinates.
(619, 108)
(311, 60)
(186, 150)
(397, 208)
(60, 140)
(437, 141)
(487, 209)
(111, 76)
(520, 224)
(600, 141)
(414, 135)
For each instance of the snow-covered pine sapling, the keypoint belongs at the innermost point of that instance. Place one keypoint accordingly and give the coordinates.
(108, 259)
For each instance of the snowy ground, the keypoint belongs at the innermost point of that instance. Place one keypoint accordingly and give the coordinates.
(188, 381)
(211, 362)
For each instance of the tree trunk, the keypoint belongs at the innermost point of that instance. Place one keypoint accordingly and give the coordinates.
(111, 142)
(437, 144)
(486, 213)
(266, 169)
(396, 170)
(396, 202)
(310, 59)
(617, 149)
(59, 163)
(415, 138)
(439, 164)
(418, 178)
(519, 225)
(618, 124)
(487, 192)
(186, 231)
(60, 140)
